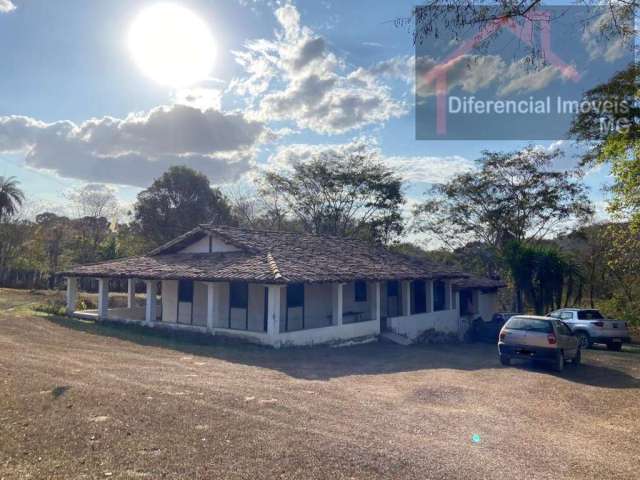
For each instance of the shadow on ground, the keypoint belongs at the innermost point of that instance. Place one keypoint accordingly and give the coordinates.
(324, 363)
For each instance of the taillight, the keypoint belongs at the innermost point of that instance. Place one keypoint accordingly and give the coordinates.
(503, 335)
(551, 338)
(598, 324)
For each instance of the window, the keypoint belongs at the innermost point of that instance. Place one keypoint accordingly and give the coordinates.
(566, 316)
(466, 302)
(590, 315)
(419, 296)
(360, 290)
(530, 325)
(555, 315)
(563, 329)
(393, 288)
(295, 295)
(439, 298)
(238, 295)
(185, 291)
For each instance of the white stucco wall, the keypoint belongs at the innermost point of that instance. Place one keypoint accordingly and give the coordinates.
(202, 246)
(487, 305)
(413, 325)
(328, 334)
(169, 301)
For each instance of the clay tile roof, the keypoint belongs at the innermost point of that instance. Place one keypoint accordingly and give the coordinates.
(270, 257)
(478, 282)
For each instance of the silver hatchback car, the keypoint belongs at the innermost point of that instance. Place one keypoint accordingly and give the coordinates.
(538, 338)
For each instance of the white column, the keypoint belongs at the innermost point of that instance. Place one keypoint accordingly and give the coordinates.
(406, 298)
(273, 310)
(151, 307)
(213, 303)
(448, 290)
(72, 294)
(103, 298)
(337, 303)
(375, 301)
(429, 286)
(131, 292)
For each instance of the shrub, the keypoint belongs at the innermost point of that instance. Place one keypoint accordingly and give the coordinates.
(52, 307)
(432, 336)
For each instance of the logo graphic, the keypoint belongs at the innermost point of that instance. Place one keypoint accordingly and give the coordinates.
(497, 92)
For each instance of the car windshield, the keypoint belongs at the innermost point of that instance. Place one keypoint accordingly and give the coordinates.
(530, 325)
(590, 315)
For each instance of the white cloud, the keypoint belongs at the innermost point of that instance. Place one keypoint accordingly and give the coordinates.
(6, 6)
(138, 148)
(602, 37)
(412, 169)
(522, 78)
(297, 78)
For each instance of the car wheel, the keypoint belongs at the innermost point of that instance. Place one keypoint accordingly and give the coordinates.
(578, 358)
(559, 363)
(583, 339)
(505, 360)
(616, 347)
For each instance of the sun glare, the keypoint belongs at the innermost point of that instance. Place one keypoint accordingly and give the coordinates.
(172, 45)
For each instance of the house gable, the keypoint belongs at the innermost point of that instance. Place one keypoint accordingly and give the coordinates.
(209, 244)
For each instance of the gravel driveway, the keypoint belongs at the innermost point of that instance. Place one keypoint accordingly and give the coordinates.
(80, 400)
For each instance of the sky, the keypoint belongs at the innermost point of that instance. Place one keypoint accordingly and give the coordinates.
(285, 81)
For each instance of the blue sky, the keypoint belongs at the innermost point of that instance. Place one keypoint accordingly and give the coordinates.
(75, 108)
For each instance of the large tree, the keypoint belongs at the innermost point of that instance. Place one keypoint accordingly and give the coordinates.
(176, 202)
(347, 194)
(510, 196)
(611, 132)
(11, 197)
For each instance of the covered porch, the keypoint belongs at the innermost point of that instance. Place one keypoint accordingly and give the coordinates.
(269, 314)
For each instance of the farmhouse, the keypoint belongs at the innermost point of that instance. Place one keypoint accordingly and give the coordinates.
(282, 288)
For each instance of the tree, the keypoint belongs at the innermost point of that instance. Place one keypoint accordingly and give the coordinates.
(541, 273)
(53, 232)
(512, 196)
(177, 202)
(11, 197)
(612, 135)
(351, 193)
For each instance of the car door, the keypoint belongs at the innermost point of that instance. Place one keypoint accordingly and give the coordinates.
(567, 341)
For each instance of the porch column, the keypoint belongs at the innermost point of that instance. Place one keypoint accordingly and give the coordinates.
(406, 298)
(429, 286)
(448, 290)
(103, 298)
(72, 294)
(375, 303)
(131, 292)
(337, 303)
(273, 310)
(151, 307)
(213, 304)
(454, 294)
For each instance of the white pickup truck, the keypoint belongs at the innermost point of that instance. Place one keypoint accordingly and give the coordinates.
(590, 326)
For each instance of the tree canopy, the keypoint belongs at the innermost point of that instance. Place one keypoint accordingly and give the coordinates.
(512, 196)
(11, 197)
(177, 202)
(350, 194)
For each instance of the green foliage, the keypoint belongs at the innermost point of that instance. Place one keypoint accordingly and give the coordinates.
(352, 195)
(177, 202)
(52, 307)
(613, 137)
(11, 197)
(513, 196)
(541, 273)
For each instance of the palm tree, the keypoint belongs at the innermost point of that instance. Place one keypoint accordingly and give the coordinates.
(11, 197)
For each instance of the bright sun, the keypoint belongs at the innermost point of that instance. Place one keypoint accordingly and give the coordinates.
(172, 45)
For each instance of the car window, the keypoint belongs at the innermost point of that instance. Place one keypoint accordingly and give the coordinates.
(530, 325)
(554, 315)
(566, 316)
(563, 329)
(590, 315)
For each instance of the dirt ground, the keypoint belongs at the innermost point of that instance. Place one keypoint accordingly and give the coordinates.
(80, 400)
